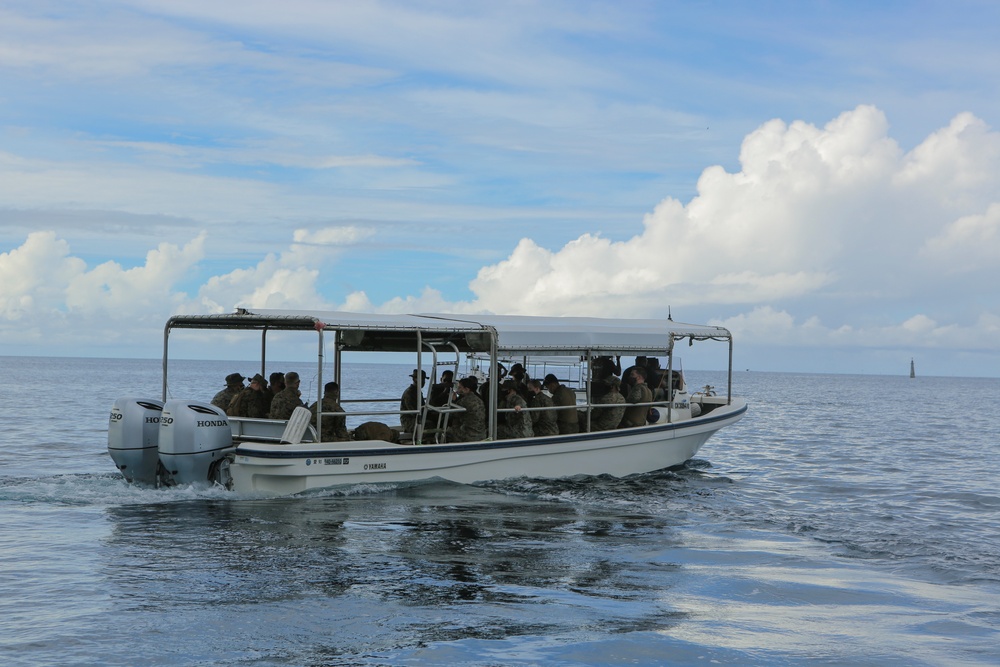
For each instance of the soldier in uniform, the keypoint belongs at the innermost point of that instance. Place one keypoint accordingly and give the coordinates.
(277, 383)
(564, 398)
(470, 425)
(440, 393)
(286, 400)
(412, 399)
(234, 385)
(518, 424)
(334, 426)
(543, 422)
(606, 419)
(251, 402)
(639, 393)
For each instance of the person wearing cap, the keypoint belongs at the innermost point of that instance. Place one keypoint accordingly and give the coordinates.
(639, 393)
(543, 422)
(564, 398)
(334, 426)
(286, 400)
(518, 423)
(470, 425)
(234, 385)
(251, 402)
(412, 399)
(606, 419)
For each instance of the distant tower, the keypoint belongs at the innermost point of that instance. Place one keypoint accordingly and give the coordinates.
(912, 372)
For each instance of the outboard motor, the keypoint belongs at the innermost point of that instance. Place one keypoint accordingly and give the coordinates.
(133, 436)
(194, 439)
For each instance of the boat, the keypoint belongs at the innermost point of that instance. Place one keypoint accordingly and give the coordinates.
(167, 440)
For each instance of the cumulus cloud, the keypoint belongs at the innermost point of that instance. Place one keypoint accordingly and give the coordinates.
(284, 280)
(829, 235)
(830, 216)
(48, 294)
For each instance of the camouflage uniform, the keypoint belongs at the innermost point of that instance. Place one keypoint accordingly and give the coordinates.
(226, 396)
(249, 403)
(334, 426)
(543, 421)
(567, 417)
(285, 402)
(471, 424)
(636, 416)
(606, 419)
(518, 423)
(411, 400)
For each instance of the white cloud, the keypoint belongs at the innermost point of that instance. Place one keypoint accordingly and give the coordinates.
(286, 280)
(825, 236)
(971, 242)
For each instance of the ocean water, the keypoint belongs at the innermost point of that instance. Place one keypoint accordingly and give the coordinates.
(847, 520)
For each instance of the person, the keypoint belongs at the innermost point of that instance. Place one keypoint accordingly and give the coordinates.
(520, 376)
(639, 393)
(518, 424)
(277, 383)
(606, 419)
(640, 362)
(564, 398)
(334, 426)
(251, 402)
(234, 385)
(286, 400)
(604, 367)
(412, 399)
(543, 422)
(441, 392)
(470, 425)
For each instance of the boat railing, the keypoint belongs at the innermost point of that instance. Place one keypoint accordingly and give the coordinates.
(259, 429)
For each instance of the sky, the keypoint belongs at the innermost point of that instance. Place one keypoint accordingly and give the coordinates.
(821, 178)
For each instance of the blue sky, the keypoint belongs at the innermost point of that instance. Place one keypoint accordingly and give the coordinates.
(822, 178)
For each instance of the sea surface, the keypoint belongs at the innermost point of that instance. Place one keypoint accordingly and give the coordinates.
(847, 520)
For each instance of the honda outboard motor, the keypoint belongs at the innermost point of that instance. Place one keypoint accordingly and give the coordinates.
(194, 438)
(133, 435)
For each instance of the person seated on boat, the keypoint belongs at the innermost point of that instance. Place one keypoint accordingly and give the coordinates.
(640, 362)
(606, 419)
(543, 422)
(276, 384)
(602, 368)
(412, 399)
(521, 378)
(441, 392)
(564, 398)
(334, 426)
(470, 425)
(653, 372)
(518, 423)
(251, 402)
(286, 400)
(234, 385)
(639, 393)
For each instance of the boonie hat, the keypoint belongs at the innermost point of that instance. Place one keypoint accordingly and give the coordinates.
(234, 378)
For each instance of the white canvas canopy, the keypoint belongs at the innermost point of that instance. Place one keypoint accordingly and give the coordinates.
(514, 334)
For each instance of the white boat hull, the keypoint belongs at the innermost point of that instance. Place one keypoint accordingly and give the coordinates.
(286, 469)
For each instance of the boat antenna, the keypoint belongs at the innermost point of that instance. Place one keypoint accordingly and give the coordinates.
(669, 316)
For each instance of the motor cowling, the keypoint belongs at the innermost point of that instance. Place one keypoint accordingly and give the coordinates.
(194, 437)
(133, 438)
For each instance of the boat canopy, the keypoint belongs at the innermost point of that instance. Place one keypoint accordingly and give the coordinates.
(558, 336)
